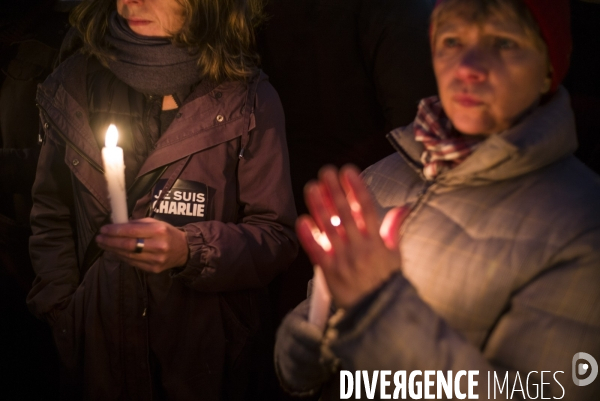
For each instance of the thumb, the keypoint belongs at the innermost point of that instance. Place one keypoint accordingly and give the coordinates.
(390, 227)
(144, 220)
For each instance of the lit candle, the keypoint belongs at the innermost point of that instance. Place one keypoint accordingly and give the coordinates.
(320, 301)
(114, 171)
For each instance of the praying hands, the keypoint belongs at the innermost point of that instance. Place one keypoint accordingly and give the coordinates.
(362, 252)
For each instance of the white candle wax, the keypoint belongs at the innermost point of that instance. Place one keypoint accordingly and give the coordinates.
(114, 171)
(320, 301)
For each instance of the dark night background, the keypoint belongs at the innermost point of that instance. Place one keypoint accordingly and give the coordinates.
(340, 98)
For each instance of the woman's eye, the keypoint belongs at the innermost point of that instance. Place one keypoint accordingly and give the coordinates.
(450, 42)
(504, 44)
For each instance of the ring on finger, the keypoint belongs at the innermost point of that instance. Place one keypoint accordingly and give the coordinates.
(139, 245)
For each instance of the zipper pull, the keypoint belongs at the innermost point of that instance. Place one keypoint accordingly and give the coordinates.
(144, 312)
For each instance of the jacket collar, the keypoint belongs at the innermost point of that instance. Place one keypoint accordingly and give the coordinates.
(545, 136)
(63, 97)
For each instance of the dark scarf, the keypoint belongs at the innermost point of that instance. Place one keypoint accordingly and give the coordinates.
(150, 65)
(445, 148)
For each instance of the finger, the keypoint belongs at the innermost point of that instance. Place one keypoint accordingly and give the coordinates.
(131, 229)
(117, 244)
(317, 252)
(321, 215)
(129, 245)
(327, 199)
(311, 189)
(360, 198)
(339, 204)
(353, 202)
(146, 220)
(333, 217)
(390, 227)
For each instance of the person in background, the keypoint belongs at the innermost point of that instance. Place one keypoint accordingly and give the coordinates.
(30, 36)
(582, 82)
(169, 305)
(347, 72)
(489, 255)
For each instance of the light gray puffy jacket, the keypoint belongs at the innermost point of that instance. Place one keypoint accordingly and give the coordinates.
(501, 269)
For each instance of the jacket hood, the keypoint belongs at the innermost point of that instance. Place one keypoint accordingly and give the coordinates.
(545, 136)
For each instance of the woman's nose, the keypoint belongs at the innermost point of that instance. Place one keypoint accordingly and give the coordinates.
(473, 65)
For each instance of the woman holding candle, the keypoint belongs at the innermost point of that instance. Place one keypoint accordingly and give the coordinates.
(498, 269)
(173, 307)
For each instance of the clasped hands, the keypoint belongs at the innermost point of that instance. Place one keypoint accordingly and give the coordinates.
(364, 251)
(164, 246)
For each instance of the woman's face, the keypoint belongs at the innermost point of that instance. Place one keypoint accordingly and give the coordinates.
(488, 74)
(152, 17)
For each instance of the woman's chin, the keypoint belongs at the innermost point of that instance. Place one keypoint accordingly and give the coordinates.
(472, 126)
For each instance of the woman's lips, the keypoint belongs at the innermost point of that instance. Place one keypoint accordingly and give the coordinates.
(467, 100)
(138, 22)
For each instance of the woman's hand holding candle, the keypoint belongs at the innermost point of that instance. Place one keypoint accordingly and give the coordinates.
(364, 252)
(147, 244)
(165, 246)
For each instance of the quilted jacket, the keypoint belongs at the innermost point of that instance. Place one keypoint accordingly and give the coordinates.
(500, 273)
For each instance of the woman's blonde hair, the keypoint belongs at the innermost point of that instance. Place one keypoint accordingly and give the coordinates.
(220, 31)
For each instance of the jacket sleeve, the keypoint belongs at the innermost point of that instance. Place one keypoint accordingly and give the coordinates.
(300, 366)
(52, 244)
(298, 363)
(227, 256)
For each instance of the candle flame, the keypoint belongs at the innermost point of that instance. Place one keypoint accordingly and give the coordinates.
(112, 136)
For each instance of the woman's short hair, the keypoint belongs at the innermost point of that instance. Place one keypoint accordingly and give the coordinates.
(477, 11)
(221, 32)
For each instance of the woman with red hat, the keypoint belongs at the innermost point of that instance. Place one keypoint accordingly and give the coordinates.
(488, 259)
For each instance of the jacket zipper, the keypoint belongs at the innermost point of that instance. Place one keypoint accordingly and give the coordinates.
(419, 169)
(415, 166)
(416, 205)
(68, 142)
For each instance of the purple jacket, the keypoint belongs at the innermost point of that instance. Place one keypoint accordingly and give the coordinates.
(189, 332)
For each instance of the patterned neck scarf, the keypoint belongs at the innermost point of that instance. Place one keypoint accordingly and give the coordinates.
(444, 147)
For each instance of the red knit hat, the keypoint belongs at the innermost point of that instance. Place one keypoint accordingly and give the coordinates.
(554, 20)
